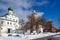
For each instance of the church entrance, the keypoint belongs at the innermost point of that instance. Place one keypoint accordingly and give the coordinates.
(8, 30)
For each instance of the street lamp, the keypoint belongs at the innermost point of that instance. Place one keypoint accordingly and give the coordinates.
(1, 22)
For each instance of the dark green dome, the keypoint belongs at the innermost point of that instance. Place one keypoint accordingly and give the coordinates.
(10, 9)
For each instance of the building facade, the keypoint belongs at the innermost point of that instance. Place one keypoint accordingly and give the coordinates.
(39, 24)
(9, 22)
(49, 27)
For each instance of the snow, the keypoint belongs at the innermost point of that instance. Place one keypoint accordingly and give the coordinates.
(11, 38)
(41, 35)
(4, 36)
(58, 36)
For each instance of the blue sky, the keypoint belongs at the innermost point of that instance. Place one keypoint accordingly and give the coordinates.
(50, 9)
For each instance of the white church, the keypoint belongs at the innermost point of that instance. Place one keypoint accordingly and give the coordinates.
(9, 22)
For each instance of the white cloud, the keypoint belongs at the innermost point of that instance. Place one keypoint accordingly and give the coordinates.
(18, 4)
(40, 13)
(42, 3)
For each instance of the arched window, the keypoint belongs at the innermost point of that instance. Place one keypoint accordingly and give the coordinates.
(7, 22)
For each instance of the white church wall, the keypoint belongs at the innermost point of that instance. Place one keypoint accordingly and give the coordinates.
(10, 21)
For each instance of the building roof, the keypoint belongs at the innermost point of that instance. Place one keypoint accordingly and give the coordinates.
(4, 15)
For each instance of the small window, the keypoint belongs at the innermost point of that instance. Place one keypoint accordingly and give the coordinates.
(2, 22)
(1, 28)
(10, 23)
(7, 22)
(13, 19)
(48, 26)
(16, 20)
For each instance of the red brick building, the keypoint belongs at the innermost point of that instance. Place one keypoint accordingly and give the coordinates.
(49, 27)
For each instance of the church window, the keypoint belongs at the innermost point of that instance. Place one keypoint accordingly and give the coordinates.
(48, 26)
(2, 22)
(10, 23)
(16, 20)
(13, 19)
(7, 22)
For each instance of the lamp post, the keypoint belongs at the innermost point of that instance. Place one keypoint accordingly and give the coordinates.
(1, 22)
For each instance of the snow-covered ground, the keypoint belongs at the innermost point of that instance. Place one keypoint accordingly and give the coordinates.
(11, 38)
(26, 37)
(41, 35)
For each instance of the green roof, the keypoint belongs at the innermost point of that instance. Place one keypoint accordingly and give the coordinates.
(10, 9)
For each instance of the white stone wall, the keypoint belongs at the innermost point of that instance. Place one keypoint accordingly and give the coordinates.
(10, 21)
(40, 29)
